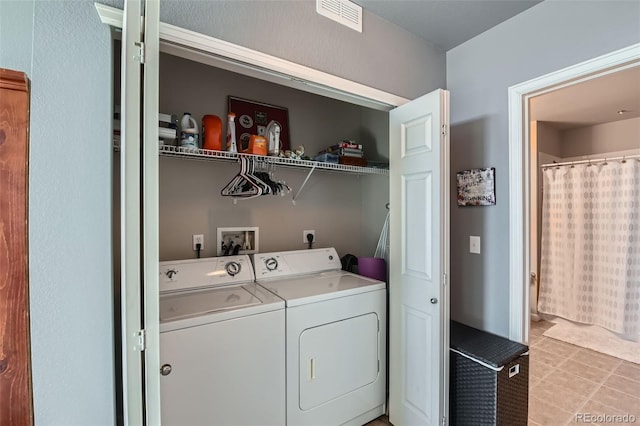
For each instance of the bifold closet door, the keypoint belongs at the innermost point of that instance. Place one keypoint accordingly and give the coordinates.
(419, 250)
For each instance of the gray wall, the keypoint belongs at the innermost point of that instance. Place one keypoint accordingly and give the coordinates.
(314, 121)
(331, 204)
(382, 56)
(16, 17)
(65, 51)
(548, 139)
(620, 135)
(550, 36)
(614, 137)
(190, 204)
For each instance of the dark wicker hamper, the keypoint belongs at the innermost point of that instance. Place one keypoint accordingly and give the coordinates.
(489, 378)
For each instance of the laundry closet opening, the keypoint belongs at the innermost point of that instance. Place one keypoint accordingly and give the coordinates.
(346, 209)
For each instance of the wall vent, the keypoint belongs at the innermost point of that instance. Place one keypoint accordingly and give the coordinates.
(343, 11)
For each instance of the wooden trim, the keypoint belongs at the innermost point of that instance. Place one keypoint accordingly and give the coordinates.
(16, 400)
(13, 80)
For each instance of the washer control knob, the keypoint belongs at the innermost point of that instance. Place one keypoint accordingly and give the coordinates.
(233, 268)
(165, 370)
(271, 264)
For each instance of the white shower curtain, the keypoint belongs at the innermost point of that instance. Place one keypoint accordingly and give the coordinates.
(590, 248)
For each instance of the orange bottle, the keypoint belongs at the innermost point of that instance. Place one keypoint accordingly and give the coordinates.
(212, 132)
(257, 145)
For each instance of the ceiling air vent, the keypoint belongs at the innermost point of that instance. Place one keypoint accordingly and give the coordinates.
(342, 11)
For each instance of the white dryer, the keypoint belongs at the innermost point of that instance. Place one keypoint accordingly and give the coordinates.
(222, 345)
(335, 337)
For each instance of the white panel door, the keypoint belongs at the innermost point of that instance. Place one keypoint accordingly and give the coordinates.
(139, 212)
(419, 261)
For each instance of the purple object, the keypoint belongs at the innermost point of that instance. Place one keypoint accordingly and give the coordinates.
(373, 267)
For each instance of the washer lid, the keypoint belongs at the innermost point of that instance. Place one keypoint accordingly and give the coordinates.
(322, 286)
(238, 300)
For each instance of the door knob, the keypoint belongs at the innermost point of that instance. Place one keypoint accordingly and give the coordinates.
(165, 370)
(434, 300)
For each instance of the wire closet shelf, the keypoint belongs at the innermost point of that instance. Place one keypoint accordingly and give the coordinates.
(209, 155)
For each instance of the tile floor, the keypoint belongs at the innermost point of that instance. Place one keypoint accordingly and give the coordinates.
(570, 385)
(573, 385)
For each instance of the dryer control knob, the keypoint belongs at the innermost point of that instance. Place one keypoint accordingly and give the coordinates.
(165, 370)
(271, 264)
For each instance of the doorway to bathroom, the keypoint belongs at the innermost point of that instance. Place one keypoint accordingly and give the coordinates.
(520, 163)
(584, 150)
(573, 115)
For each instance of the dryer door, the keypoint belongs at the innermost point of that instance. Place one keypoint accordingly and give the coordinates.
(332, 364)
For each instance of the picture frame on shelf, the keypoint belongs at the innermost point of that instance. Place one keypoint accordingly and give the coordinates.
(253, 117)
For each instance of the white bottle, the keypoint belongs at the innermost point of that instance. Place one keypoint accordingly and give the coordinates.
(273, 135)
(189, 135)
(231, 133)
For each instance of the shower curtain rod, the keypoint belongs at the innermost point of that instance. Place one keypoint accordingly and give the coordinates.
(597, 160)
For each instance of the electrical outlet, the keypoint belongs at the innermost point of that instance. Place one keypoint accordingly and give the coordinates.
(305, 233)
(198, 239)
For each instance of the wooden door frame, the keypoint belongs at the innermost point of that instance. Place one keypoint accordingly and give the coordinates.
(16, 393)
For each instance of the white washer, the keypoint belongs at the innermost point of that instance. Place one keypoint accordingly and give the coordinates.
(335, 334)
(222, 345)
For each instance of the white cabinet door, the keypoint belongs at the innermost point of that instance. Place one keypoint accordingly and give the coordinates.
(226, 372)
(419, 261)
(139, 212)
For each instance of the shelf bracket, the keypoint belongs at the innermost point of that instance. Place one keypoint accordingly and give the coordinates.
(303, 184)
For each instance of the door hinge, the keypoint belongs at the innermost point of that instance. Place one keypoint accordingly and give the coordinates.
(444, 130)
(140, 56)
(140, 341)
(444, 421)
(444, 280)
